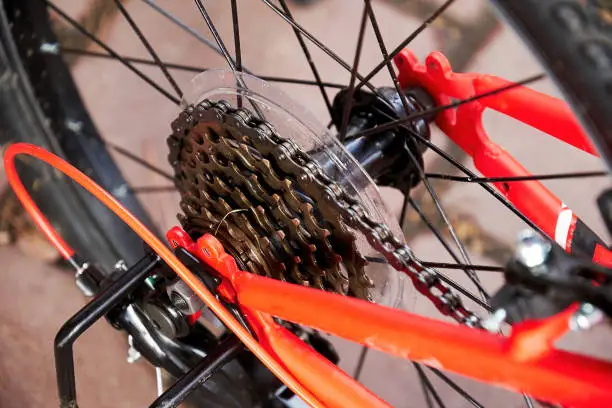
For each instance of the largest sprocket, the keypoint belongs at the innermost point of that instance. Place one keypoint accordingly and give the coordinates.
(233, 188)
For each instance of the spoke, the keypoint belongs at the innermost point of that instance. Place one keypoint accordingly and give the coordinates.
(433, 111)
(447, 280)
(445, 265)
(456, 387)
(463, 291)
(139, 160)
(186, 28)
(404, 213)
(124, 152)
(152, 189)
(584, 174)
(236, 27)
(191, 68)
(95, 39)
(348, 104)
(407, 41)
(385, 54)
(470, 274)
(216, 36)
(237, 50)
(316, 42)
(431, 227)
(427, 385)
(149, 48)
(426, 393)
(313, 68)
(360, 362)
(467, 268)
(226, 55)
(528, 401)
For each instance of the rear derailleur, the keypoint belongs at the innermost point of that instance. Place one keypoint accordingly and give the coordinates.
(162, 318)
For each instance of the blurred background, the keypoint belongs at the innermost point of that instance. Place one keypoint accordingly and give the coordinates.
(37, 295)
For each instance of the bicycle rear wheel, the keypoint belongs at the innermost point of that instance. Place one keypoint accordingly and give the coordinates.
(50, 92)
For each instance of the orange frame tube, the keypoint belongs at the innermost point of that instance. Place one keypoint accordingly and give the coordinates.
(525, 361)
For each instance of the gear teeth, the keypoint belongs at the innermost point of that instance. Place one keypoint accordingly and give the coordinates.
(294, 205)
(250, 146)
(220, 167)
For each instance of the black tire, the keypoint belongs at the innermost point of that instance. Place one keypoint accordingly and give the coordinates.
(40, 104)
(573, 40)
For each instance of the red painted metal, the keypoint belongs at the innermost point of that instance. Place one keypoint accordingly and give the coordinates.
(541, 111)
(333, 387)
(524, 361)
(464, 126)
(602, 256)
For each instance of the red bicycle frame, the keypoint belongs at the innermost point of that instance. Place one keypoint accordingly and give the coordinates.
(464, 126)
(524, 361)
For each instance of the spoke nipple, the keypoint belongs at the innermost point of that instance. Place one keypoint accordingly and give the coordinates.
(532, 250)
(74, 125)
(49, 48)
(493, 323)
(121, 191)
(585, 317)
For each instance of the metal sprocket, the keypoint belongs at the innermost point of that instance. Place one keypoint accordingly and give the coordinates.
(232, 189)
(280, 159)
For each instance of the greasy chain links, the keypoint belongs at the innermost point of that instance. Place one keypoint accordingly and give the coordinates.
(278, 213)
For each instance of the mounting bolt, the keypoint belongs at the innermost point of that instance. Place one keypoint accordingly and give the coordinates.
(120, 266)
(493, 323)
(585, 317)
(532, 250)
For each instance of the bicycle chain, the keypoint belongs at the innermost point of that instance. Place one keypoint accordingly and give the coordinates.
(332, 201)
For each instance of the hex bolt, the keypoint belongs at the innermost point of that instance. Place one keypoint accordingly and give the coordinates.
(532, 250)
(585, 317)
(120, 266)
